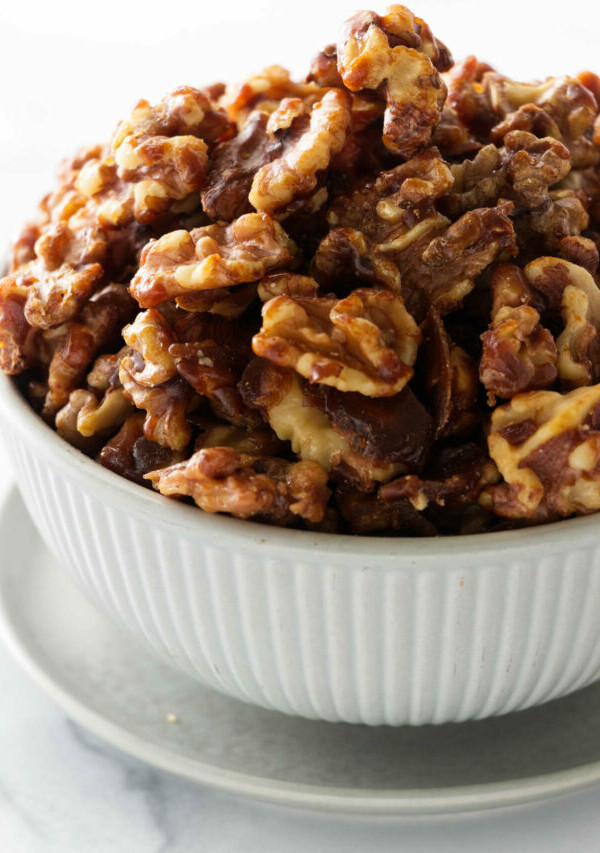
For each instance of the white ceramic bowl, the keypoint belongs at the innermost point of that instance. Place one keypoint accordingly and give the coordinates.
(371, 630)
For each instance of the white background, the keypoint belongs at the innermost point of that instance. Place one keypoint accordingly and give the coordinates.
(68, 72)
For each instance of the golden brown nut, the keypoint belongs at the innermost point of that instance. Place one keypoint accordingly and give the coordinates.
(219, 479)
(166, 405)
(162, 150)
(292, 414)
(265, 91)
(398, 53)
(366, 342)
(287, 284)
(183, 263)
(151, 336)
(76, 343)
(294, 175)
(573, 289)
(547, 448)
(399, 205)
(518, 353)
(522, 171)
(92, 416)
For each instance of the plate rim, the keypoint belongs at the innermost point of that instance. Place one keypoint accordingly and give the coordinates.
(367, 801)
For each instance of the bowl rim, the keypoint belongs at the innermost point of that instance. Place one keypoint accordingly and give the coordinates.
(192, 523)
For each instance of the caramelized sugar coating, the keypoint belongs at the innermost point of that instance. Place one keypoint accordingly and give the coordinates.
(422, 242)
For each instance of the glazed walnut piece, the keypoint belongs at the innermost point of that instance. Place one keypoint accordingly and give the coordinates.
(294, 175)
(219, 479)
(75, 344)
(442, 271)
(518, 353)
(522, 171)
(182, 263)
(130, 454)
(547, 448)
(450, 379)
(366, 342)
(397, 53)
(162, 150)
(572, 290)
(399, 205)
(346, 255)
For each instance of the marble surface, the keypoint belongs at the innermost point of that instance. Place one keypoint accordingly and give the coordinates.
(61, 789)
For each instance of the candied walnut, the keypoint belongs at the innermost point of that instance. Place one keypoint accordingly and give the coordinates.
(294, 175)
(92, 416)
(452, 137)
(280, 396)
(450, 377)
(442, 271)
(130, 454)
(394, 429)
(399, 205)
(77, 342)
(287, 284)
(265, 91)
(183, 263)
(555, 470)
(572, 290)
(213, 370)
(219, 479)
(166, 404)
(522, 171)
(18, 345)
(398, 53)
(368, 513)
(569, 107)
(151, 336)
(461, 473)
(346, 255)
(22, 250)
(162, 150)
(228, 302)
(518, 353)
(233, 165)
(366, 342)
(492, 105)
(581, 251)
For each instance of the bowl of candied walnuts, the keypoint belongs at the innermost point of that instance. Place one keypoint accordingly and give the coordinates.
(303, 380)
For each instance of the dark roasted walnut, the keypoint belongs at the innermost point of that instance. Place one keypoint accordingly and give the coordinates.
(458, 476)
(346, 256)
(397, 54)
(367, 513)
(518, 353)
(450, 377)
(219, 479)
(553, 468)
(130, 454)
(443, 270)
(183, 263)
(366, 342)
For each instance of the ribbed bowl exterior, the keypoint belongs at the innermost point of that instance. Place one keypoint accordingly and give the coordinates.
(373, 631)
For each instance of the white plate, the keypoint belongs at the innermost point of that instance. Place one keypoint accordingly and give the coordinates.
(116, 689)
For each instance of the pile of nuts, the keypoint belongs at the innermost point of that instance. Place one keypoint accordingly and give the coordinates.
(366, 302)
